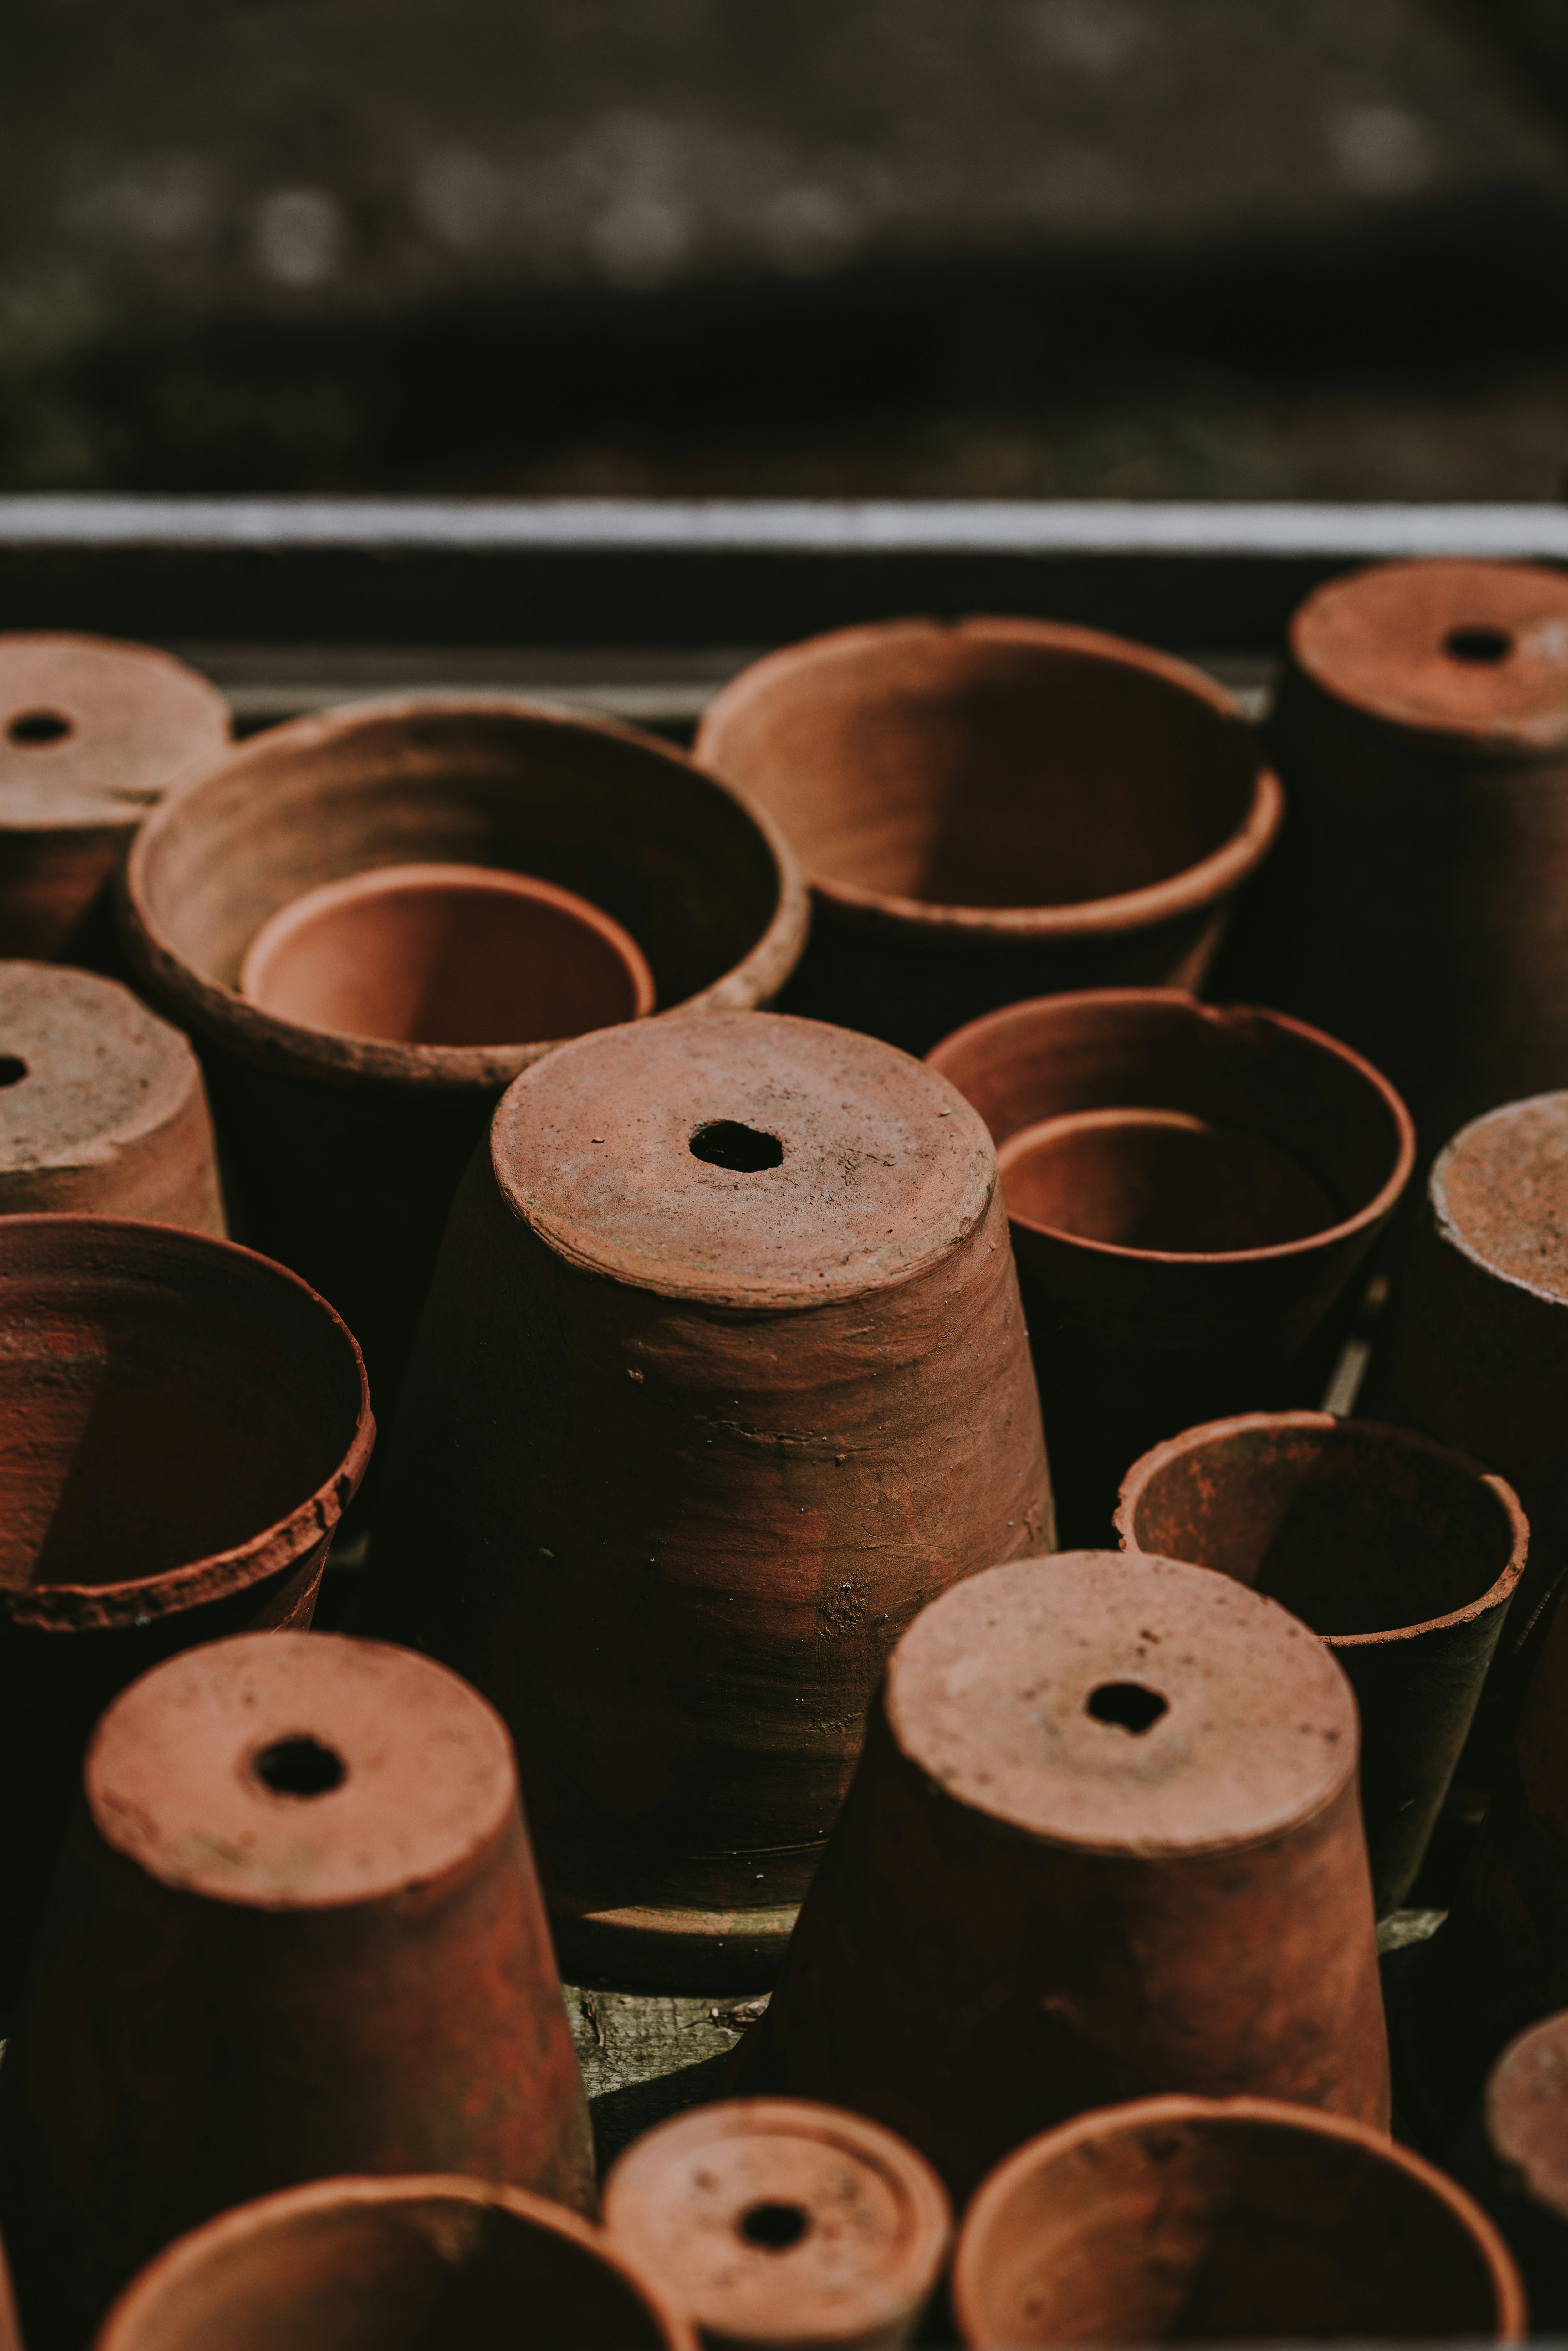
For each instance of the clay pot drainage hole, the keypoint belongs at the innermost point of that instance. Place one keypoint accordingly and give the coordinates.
(32, 729)
(1128, 1705)
(1483, 646)
(13, 1069)
(299, 1768)
(726, 1142)
(774, 2227)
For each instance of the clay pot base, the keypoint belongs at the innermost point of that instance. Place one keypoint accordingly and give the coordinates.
(1160, 1179)
(1500, 1194)
(672, 1948)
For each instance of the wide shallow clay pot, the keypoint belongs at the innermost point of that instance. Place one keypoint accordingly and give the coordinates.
(1422, 729)
(723, 1378)
(1227, 2220)
(1526, 2175)
(102, 1109)
(446, 955)
(347, 1149)
(1190, 1190)
(297, 1933)
(993, 809)
(92, 732)
(775, 2221)
(396, 2265)
(1103, 1842)
(182, 1425)
(1401, 1555)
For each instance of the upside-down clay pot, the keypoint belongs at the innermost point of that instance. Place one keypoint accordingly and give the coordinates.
(396, 2265)
(297, 1933)
(182, 1425)
(1401, 1555)
(102, 1109)
(722, 1379)
(1104, 1842)
(775, 2221)
(347, 1148)
(92, 732)
(1190, 1189)
(1525, 2174)
(1227, 2220)
(994, 810)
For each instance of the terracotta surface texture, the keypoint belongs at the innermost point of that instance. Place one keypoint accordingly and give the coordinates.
(994, 809)
(352, 1147)
(1213, 2220)
(1402, 1556)
(396, 2265)
(182, 1425)
(298, 1933)
(102, 1109)
(92, 732)
(775, 2221)
(1104, 1842)
(1191, 1188)
(724, 1377)
(1526, 2117)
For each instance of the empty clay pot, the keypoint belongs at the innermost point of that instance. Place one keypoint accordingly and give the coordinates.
(446, 955)
(1227, 2220)
(396, 2265)
(347, 1149)
(92, 732)
(994, 810)
(102, 1108)
(1190, 1190)
(297, 1933)
(1526, 2114)
(180, 1427)
(723, 1377)
(775, 2221)
(1103, 1842)
(1399, 1554)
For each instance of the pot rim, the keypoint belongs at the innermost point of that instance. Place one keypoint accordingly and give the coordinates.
(1345, 1427)
(1192, 889)
(222, 1016)
(126, 1606)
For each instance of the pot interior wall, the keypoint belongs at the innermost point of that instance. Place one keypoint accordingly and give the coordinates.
(1160, 1180)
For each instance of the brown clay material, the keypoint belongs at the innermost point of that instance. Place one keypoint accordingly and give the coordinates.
(10, 2333)
(446, 955)
(102, 1109)
(1526, 2173)
(297, 1933)
(995, 810)
(182, 1425)
(1401, 1555)
(723, 1378)
(775, 2222)
(350, 1148)
(1190, 1190)
(92, 732)
(1103, 1842)
(1240, 2220)
(392, 2265)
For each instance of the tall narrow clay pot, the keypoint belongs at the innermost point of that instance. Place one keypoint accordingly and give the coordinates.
(395, 2265)
(995, 810)
(182, 1425)
(347, 1151)
(102, 1109)
(1526, 2172)
(776, 2221)
(1190, 1191)
(297, 1933)
(1104, 1842)
(1223, 2220)
(92, 732)
(723, 1377)
(1399, 1554)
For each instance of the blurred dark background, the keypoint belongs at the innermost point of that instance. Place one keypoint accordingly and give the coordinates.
(1094, 249)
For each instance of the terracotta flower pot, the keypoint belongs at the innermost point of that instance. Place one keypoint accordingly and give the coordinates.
(1190, 1191)
(348, 1149)
(387, 2264)
(1526, 2121)
(723, 1377)
(1399, 1554)
(102, 1108)
(1221, 2221)
(298, 1934)
(180, 1427)
(995, 810)
(775, 2221)
(1104, 1842)
(92, 732)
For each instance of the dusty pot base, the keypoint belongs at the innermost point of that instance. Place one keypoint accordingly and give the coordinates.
(670, 1949)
